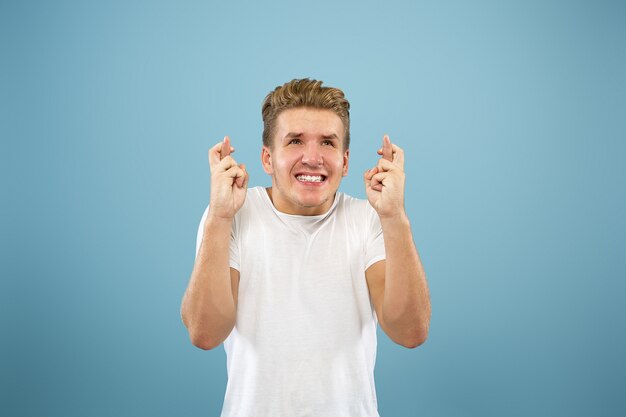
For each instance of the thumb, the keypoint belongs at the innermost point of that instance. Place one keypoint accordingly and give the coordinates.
(241, 180)
(368, 175)
(246, 176)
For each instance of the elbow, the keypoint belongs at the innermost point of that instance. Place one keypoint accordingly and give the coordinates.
(204, 339)
(198, 338)
(201, 339)
(416, 340)
(411, 335)
(207, 338)
(203, 342)
(417, 336)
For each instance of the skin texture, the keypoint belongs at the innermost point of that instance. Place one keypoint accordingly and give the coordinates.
(308, 141)
(397, 285)
(209, 306)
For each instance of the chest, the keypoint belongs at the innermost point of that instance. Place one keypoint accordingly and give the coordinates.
(321, 263)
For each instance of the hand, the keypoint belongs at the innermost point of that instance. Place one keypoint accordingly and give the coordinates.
(229, 181)
(384, 184)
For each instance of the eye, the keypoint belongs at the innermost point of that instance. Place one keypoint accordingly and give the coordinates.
(294, 141)
(328, 142)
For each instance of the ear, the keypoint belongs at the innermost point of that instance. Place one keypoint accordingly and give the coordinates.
(266, 160)
(346, 158)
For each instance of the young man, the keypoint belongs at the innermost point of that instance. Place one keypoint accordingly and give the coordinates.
(294, 278)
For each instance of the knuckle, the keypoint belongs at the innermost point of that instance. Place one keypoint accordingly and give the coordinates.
(228, 162)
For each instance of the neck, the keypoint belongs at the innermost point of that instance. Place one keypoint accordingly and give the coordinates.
(286, 208)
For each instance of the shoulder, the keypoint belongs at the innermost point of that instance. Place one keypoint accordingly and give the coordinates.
(256, 206)
(355, 206)
(255, 194)
(254, 198)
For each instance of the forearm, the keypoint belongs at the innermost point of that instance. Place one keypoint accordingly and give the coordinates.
(208, 308)
(406, 303)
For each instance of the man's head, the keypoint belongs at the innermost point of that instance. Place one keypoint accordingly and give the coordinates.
(304, 93)
(305, 145)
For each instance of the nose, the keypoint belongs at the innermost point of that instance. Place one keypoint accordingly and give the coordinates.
(312, 156)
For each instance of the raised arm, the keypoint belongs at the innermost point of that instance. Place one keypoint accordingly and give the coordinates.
(209, 305)
(397, 285)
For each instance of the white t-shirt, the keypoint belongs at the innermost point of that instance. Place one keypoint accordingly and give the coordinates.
(304, 343)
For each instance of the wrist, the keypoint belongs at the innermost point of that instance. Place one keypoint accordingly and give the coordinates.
(215, 220)
(395, 220)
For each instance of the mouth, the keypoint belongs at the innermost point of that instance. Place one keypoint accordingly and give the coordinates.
(311, 178)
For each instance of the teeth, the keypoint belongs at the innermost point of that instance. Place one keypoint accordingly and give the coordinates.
(309, 178)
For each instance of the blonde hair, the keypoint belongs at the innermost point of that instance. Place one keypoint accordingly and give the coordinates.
(304, 93)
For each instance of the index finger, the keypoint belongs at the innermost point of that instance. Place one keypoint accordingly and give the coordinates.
(216, 153)
(397, 155)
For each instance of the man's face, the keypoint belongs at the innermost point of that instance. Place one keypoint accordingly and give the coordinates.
(306, 161)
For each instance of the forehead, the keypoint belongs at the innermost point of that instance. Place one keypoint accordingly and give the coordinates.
(307, 121)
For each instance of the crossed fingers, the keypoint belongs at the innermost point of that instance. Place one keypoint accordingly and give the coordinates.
(220, 160)
(220, 151)
(391, 153)
(392, 159)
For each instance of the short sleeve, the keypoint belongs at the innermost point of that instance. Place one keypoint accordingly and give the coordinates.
(234, 248)
(374, 241)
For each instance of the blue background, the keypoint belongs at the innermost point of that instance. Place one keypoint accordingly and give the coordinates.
(512, 116)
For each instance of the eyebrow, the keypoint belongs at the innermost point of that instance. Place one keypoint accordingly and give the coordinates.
(292, 135)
